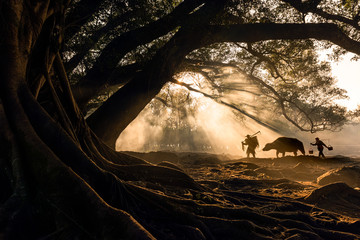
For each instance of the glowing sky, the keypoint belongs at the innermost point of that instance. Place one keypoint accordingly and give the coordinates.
(348, 74)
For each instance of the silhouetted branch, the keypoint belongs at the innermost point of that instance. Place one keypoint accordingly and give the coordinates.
(312, 6)
(216, 99)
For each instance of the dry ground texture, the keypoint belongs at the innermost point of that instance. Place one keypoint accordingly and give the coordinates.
(302, 197)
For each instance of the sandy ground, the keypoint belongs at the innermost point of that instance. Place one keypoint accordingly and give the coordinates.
(328, 185)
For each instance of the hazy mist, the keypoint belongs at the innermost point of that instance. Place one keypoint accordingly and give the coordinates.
(204, 124)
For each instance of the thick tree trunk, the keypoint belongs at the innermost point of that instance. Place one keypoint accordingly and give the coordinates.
(39, 176)
(53, 186)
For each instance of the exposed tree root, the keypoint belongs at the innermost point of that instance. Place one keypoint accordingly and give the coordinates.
(77, 211)
(74, 195)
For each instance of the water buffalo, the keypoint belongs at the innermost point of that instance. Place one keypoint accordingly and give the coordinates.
(285, 144)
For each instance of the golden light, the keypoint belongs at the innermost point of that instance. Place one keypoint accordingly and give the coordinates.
(348, 74)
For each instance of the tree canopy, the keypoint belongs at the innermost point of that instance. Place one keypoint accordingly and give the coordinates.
(273, 43)
(60, 59)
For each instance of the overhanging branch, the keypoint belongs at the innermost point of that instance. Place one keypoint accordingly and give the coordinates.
(225, 104)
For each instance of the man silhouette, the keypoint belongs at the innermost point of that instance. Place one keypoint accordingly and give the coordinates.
(320, 146)
(252, 143)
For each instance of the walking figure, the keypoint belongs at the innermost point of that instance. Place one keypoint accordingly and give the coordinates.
(252, 143)
(320, 146)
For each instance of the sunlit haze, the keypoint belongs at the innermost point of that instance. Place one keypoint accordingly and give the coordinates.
(215, 128)
(348, 74)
